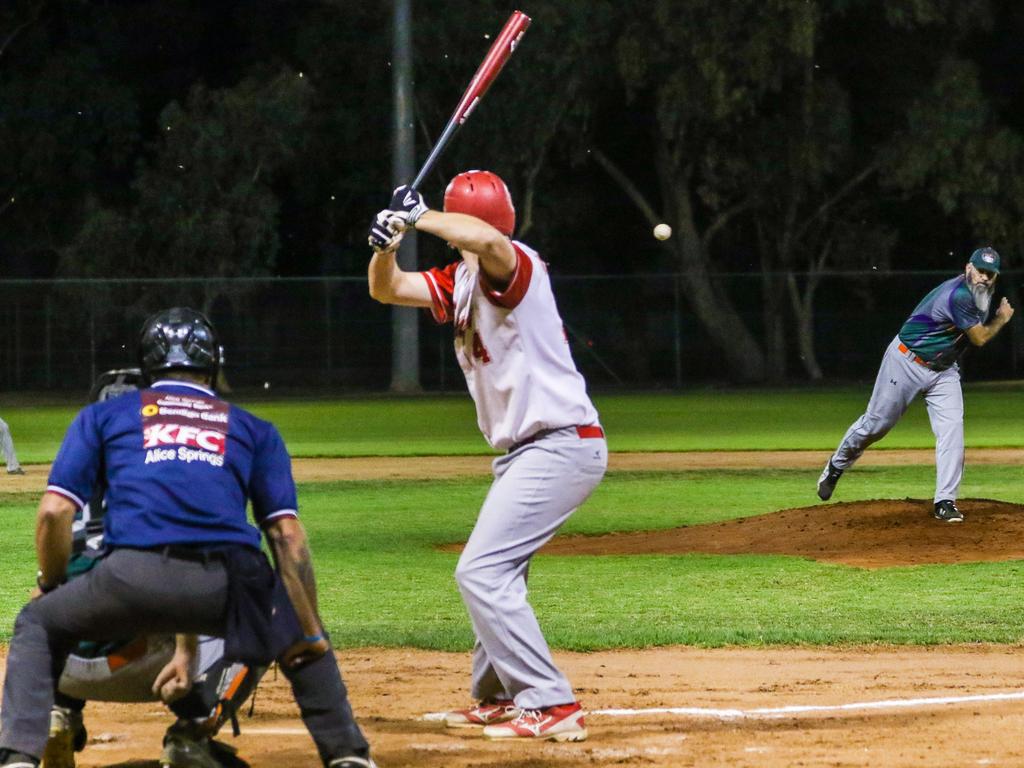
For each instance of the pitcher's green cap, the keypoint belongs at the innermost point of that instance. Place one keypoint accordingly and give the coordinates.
(987, 259)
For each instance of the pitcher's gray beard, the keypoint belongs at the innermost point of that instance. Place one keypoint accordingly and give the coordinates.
(982, 296)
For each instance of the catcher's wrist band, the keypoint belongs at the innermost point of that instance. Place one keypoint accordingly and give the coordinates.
(313, 638)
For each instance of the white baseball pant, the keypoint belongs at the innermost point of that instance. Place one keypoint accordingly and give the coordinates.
(899, 381)
(7, 446)
(536, 488)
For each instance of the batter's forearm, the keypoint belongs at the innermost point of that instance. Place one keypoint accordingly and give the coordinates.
(468, 233)
(464, 232)
(390, 284)
(381, 274)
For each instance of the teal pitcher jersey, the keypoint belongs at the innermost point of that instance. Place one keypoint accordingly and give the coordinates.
(935, 331)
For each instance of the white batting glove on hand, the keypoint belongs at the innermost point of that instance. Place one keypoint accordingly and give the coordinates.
(407, 204)
(385, 234)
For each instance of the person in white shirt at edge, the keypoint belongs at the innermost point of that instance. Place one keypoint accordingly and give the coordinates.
(532, 403)
(7, 448)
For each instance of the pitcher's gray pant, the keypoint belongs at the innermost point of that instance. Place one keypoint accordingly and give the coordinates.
(7, 447)
(536, 488)
(899, 381)
(133, 592)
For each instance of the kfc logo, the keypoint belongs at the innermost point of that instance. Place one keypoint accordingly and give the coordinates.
(155, 435)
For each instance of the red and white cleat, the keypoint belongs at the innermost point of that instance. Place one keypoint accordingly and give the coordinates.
(561, 723)
(488, 712)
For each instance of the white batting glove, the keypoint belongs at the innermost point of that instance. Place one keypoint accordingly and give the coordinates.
(408, 205)
(385, 235)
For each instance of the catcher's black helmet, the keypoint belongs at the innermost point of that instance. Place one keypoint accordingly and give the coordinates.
(178, 338)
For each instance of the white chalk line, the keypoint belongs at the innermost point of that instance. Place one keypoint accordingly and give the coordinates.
(775, 712)
(736, 714)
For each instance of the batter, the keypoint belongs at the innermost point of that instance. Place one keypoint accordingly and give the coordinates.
(532, 403)
(923, 359)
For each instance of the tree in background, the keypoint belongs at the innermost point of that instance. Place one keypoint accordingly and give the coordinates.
(537, 104)
(789, 139)
(205, 204)
(342, 175)
(66, 125)
(700, 86)
(957, 151)
(766, 145)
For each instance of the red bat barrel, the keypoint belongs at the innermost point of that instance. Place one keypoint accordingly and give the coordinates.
(503, 47)
(504, 44)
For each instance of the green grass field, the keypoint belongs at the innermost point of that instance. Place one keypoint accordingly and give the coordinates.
(693, 421)
(382, 581)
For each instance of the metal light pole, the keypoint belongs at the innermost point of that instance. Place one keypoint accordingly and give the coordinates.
(405, 349)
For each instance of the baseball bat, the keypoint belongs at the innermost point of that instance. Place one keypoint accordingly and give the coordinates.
(502, 48)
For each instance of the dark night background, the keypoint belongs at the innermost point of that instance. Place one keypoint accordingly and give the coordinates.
(799, 149)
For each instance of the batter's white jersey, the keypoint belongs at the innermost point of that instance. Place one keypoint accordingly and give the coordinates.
(512, 348)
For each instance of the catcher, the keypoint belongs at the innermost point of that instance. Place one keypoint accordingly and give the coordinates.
(142, 668)
(180, 466)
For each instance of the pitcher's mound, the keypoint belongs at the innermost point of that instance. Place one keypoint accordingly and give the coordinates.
(868, 534)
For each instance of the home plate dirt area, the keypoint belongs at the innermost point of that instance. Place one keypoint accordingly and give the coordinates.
(677, 706)
(777, 708)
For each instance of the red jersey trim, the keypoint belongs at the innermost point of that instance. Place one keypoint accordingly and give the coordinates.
(440, 283)
(437, 308)
(517, 287)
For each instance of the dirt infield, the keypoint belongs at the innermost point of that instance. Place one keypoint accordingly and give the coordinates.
(900, 707)
(417, 467)
(867, 534)
(772, 708)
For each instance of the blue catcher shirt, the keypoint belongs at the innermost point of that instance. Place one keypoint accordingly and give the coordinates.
(935, 330)
(179, 464)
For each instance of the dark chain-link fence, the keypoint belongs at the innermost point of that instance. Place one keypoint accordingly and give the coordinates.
(633, 332)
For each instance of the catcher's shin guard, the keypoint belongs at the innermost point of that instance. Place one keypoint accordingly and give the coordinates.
(67, 736)
(187, 746)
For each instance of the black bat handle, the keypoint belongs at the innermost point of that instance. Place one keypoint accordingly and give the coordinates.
(435, 153)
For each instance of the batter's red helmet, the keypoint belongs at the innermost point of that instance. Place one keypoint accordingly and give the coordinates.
(482, 194)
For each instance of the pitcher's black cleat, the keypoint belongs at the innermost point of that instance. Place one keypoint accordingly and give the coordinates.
(827, 482)
(947, 512)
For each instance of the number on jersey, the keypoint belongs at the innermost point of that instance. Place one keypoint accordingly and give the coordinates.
(479, 350)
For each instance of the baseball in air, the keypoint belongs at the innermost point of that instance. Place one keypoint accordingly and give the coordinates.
(663, 231)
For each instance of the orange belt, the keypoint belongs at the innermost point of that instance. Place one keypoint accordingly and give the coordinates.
(903, 348)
